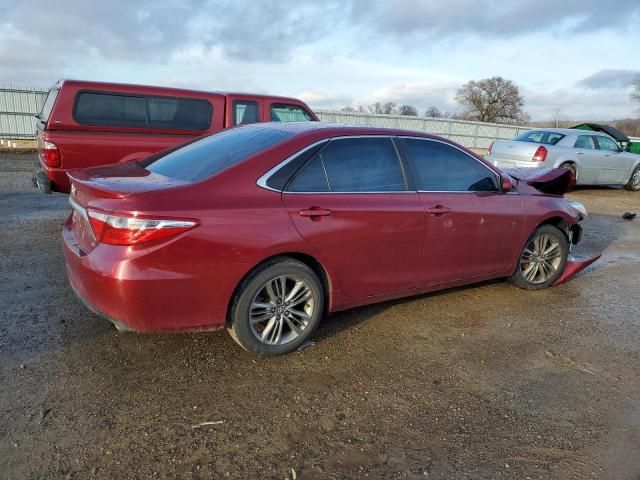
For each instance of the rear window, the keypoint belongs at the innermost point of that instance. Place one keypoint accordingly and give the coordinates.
(48, 104)
(209, 156)
(539, 136)
(139, 111)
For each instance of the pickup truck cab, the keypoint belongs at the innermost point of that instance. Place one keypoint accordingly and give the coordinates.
(85, 124)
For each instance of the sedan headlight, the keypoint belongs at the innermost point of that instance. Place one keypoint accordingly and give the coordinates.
(579, 207)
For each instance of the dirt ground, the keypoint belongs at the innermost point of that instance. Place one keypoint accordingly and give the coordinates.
(481, 382)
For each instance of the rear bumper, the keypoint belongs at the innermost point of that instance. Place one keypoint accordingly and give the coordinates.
(503, 163)
(143, 291)
(57, 178)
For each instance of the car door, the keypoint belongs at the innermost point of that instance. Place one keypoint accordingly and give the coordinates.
(588, 159)
(473, 228)
(614, 164)
(353, 202)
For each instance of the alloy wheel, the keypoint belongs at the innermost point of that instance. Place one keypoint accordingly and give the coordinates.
(281, 310)
(541, 259)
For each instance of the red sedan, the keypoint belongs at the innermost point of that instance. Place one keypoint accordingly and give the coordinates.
(264, 228)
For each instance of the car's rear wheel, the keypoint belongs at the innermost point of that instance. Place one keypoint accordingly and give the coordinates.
(277, 308)
(542, 259)
(634, 181)
(572, 168)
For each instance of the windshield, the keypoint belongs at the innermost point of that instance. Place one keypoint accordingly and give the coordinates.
(48, 105)
(539, 136)
(210, 155)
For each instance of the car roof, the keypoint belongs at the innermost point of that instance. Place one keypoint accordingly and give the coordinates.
(335, 129)
(568, 131)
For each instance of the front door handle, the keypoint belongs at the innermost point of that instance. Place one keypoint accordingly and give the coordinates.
(438, 210)
(315, 212)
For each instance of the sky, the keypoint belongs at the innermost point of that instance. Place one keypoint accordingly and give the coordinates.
(572, 58)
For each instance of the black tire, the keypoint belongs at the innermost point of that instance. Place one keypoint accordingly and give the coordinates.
(250, 290)
(572, 167)
(521, 278)
(633, 184)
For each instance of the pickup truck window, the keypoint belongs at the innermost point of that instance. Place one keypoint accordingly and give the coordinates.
(245, 111)
(281, 112)
(139, 111)
(48, 105)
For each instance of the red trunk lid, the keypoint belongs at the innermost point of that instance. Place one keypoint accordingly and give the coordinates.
(104, 188)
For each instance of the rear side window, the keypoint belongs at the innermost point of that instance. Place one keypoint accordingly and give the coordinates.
(353, 165)
(539, 136)
(112, 110)
(289, 113)
(439, 167)
(585, 141)
(245, 111)
(209, 156)
(179, 113)
(48, 104)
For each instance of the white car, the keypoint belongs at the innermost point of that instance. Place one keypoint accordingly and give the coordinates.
(594, 157)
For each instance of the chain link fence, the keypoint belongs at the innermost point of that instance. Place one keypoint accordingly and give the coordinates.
(19, 104)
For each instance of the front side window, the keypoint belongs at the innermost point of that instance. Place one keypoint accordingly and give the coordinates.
(539, 136)
(210, 155)
(607, 144)
(289, 113)
(353, 165)
(245, 111)
(439, 167)
(586, 142)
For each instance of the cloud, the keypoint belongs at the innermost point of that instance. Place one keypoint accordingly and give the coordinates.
(320, 99)
(494, 18)
(610, 79)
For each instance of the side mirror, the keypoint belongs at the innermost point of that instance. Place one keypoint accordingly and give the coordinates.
(506, 185)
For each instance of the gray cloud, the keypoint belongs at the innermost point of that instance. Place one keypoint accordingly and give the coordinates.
(494, 18)
(610, 79)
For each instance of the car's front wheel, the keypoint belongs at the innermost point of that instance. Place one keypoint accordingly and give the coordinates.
(634, 181)
(542, 259)
(277, 308)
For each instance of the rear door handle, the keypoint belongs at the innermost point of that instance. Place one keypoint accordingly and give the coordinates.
(315, 212)
(438, 210)
(579, 153)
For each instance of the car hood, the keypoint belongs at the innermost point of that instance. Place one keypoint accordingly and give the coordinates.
(552, 181)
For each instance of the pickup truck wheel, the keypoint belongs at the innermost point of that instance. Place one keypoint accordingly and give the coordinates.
(277, 308)
(634, 181)
(572, 168)
(542, 260)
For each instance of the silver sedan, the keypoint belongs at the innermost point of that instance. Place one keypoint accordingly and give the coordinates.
(594, 157)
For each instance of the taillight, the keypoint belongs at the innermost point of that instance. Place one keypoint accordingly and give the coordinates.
(50, 154)
(120, 229)
(540, 155)
(490, 150)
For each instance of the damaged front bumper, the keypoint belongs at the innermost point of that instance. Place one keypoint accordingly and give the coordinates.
(574, 266)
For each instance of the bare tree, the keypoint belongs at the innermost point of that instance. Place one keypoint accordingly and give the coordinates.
(408, 110)
(348, 109)
(636, 89)
(433, 112)
(493, 99)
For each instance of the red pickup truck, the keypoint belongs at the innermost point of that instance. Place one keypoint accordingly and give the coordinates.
(84, 124)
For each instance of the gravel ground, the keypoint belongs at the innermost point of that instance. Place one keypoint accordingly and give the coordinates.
(481, 382)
